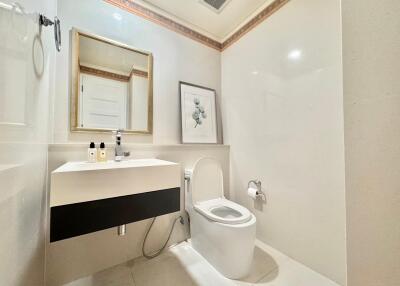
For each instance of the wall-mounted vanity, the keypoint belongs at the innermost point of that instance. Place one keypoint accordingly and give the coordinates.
(87, 197)
(111, 86)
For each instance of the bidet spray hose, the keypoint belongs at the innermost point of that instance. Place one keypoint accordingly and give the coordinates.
(156, 253)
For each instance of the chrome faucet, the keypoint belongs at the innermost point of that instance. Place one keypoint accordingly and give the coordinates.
(119, 152)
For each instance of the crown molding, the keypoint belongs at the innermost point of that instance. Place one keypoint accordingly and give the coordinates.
(169, 23)
(171, 16)
(253, 22)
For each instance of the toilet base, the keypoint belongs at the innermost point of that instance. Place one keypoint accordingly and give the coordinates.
(229, 248)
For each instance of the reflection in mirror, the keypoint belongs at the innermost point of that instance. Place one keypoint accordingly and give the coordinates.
(113, 86)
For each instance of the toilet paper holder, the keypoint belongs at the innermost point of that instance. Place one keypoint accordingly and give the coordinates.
(260, 194)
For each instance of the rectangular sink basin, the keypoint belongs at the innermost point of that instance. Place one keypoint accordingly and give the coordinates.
(87, 197)
(76, 182)
(86, 166)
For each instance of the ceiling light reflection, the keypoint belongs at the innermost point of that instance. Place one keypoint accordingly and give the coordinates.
(117, 16)
(295, 55)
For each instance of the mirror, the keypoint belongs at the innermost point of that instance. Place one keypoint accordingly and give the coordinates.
(111, 86)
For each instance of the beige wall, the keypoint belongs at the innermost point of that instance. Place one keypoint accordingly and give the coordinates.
(283, 118)
(176, 58)
(371, 58)
(72, 258)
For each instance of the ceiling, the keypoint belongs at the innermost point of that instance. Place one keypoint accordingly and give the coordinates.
(197, 16)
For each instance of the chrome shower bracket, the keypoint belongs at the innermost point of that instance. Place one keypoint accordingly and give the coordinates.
(44, 21)
(260, 194)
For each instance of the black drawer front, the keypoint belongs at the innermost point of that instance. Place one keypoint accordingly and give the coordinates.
(81, 218)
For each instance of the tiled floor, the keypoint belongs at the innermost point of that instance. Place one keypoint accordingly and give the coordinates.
(183, 266)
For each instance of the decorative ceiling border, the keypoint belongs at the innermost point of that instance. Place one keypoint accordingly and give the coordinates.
(253, 22)
(157, 18)
(150, 15)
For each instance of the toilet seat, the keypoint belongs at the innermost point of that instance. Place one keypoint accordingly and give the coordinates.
(223, 211)
(207, 194)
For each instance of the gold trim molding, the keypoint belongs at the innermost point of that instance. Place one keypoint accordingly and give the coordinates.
(103, 73)
(140, 73)
(75, 84)
(150, 15)
(157, 18)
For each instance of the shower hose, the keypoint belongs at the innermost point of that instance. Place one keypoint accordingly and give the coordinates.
(156, 253)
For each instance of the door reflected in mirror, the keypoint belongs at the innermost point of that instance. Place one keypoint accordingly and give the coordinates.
(112, 86)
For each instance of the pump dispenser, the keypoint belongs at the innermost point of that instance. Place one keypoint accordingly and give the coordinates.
(101, 153)
(92, 153)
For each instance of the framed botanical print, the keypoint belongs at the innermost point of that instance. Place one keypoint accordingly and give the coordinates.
(198, 114)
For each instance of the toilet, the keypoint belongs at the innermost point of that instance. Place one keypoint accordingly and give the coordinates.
(222, 231)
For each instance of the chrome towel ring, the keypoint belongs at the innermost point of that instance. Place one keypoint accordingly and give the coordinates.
(43, 20)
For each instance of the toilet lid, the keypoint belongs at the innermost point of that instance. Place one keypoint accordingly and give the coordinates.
(207, 180)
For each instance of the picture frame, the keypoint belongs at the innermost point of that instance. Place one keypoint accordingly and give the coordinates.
(198, 114)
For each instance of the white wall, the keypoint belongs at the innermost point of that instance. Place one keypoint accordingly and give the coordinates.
(76, 257)
(24, 141)
(175, 58)
(371, 57)
(283, 118)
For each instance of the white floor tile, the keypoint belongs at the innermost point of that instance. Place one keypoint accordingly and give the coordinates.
(165, 270)
(292, 273)
(202, 273)
(277, 256)
(119, 275)
(263, 264)
(181, 265)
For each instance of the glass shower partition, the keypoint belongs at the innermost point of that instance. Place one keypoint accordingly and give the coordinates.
(26, 67)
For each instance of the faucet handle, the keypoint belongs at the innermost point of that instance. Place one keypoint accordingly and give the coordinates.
(127, 154)
(117, 132)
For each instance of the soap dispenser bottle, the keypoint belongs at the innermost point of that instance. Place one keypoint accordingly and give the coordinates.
(92, 153)
(101, 153)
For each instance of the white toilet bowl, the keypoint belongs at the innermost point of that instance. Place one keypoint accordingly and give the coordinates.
(222, 231)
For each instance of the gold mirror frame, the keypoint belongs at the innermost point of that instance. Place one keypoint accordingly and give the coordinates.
(74, 91)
